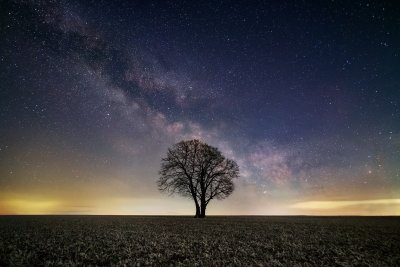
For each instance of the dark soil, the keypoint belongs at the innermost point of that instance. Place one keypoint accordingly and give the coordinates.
(216, 241)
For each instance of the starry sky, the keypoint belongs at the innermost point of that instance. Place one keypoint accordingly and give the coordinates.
(303, 95)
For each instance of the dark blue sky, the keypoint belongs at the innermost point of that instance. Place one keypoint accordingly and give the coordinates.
(305, 96)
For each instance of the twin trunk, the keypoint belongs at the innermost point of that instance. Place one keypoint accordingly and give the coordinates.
(200, 210)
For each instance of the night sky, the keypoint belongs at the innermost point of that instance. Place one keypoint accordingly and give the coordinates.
(303, 95)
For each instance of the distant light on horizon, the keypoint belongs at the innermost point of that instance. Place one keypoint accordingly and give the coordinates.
(341, 204)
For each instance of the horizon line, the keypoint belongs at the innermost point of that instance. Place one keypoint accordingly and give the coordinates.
(233, 215)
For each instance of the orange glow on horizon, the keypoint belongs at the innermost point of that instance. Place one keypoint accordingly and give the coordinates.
(176, 206)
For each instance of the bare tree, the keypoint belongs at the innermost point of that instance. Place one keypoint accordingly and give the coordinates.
(198, 171)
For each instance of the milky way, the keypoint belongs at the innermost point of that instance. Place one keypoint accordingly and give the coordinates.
(305, 97)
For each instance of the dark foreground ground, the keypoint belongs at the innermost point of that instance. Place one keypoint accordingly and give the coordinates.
(244, 241)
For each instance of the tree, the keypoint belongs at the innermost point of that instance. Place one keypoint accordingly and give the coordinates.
(195, 170)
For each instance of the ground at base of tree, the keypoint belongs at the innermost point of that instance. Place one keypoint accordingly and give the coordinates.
(160, 241)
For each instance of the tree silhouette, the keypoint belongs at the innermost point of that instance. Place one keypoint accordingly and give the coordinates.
(198, 171)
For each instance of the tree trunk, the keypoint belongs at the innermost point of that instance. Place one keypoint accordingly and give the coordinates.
(203, 210)
(197, 215)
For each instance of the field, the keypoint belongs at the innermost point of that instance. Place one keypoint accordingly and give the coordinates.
(243, 241)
